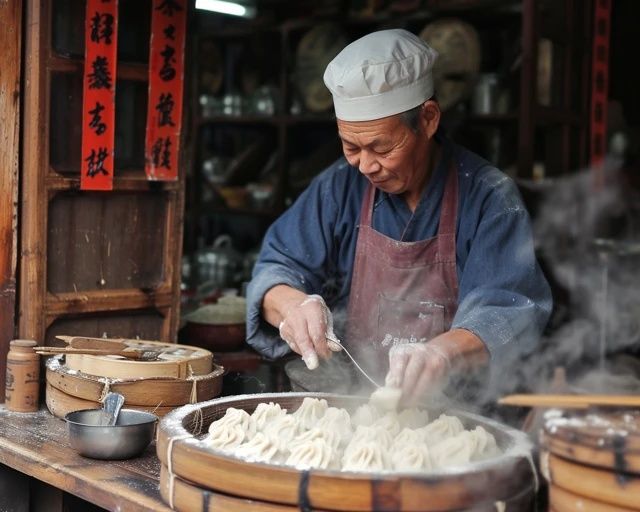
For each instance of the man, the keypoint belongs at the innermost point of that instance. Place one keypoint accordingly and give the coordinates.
(426, 246)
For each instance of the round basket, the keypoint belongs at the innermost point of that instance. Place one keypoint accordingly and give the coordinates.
(176, 361)
(595, 457)
(147, 392)
(508, 479)
(60, 404)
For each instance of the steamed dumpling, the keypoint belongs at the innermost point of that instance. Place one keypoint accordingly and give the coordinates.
(453, 451)
(372, 433)
(265, 413)
(310, 412)
(316, 453)
(411, 457)
(441, 429)
(338, 421)
(282, 429)
(413, 418)
(365, 415)
(485, 444)
(366, 456)
(386, 398)
(388, 422)
(232, 417)
(260, 448)
(226, 437)
(408, 437)
(330, 436)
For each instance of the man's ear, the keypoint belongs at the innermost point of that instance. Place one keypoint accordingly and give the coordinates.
(430, 117)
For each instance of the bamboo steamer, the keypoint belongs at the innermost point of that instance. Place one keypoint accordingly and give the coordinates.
(176, 361)
(592, 459)
(60, 404)
(148, 392)
(506, 482)
(565, 501)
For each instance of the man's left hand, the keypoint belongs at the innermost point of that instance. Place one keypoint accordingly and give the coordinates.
(423, 368)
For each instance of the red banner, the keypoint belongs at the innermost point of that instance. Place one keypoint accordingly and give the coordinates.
(166, 80)
(99, 94)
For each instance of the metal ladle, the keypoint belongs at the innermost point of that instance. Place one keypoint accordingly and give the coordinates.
(112, 404)
(333, 339)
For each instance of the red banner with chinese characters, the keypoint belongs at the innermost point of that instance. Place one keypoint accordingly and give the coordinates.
(166, 79)
(99, 94)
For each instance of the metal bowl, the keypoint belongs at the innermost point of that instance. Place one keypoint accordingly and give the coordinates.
(128, 438)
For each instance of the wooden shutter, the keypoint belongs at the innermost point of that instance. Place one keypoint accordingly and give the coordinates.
(92, 263)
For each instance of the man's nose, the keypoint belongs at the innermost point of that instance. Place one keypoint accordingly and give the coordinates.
(368, 163)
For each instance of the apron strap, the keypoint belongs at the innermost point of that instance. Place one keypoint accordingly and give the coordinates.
(449, 209)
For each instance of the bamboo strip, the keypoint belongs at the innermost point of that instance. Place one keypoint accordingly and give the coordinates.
(571, 401)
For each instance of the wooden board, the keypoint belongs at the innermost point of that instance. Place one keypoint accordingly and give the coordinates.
(60, 404)
(565, 501)
(180, 361)
(37, 445)
(511, 475)
(10, 60)
(597, 484)
(144, 392)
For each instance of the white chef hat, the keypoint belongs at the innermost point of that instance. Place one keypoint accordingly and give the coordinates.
(381, 74)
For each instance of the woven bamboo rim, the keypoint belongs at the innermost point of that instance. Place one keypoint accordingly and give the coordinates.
(564, 501)
(144, 392)
(507, 476)
(60, 404)
(597, 484)
(199, 362)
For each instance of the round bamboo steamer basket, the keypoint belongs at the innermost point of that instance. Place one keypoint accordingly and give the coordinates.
(185, 497)
(600, 485)
(178, 361)
(594, 456)
(509, 478)
(565, 501)
(144, 392)
(60, 404)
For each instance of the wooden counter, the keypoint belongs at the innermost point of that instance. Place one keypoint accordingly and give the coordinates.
(36, 445)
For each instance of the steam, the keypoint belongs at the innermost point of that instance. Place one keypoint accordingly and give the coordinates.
(588, 254)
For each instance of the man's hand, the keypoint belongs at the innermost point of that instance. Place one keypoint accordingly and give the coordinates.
(423, 368)
(304, 322)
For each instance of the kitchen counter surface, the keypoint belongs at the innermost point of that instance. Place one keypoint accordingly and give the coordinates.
(36, 445)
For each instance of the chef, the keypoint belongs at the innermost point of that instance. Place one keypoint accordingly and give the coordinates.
(419, 250)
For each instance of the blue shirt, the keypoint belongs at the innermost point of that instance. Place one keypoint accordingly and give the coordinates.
(503, 296)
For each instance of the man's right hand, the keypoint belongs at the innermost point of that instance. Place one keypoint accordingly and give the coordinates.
(304, 322)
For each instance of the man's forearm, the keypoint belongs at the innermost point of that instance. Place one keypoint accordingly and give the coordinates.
(464, 349)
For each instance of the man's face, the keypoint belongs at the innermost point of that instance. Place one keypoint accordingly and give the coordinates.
(387, 152)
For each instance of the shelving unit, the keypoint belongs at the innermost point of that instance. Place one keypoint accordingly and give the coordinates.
(517, 139)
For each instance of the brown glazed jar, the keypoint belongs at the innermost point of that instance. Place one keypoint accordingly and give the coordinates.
(23, 377)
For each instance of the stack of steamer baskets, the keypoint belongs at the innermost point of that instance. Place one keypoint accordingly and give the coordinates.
(179, 375)
(592, 461)
(196, 478)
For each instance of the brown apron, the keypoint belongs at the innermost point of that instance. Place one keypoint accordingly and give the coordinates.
(402, 292)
